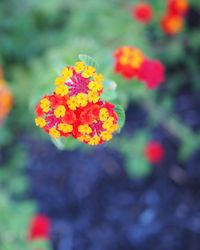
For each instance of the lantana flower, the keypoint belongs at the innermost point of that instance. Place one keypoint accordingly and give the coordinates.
(128, 61)
(142, 12)
(5, 98)
(154, 152)
(75, 108)
(178, 7)
(39, 228)
(174, 19)
(172, 24)
(152, 73)
(131, 63)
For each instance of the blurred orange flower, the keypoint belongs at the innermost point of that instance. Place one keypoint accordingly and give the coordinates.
(173, 21)
(178, 7)
(5, 98)
(172, 24)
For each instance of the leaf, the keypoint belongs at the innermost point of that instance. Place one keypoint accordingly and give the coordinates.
(109, 91)
(89, 61)
(121, 115)
(66, 143)
(133, 149)
(137, 166)
(58, 143)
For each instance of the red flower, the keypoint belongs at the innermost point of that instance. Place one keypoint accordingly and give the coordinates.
(178, 7)
(70, 117)
(39, 227)
(142, 12)
(39, 112)
(154, 152)
(152, 72)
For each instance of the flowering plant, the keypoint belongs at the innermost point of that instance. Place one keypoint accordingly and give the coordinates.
(131, 63)
(76, 109)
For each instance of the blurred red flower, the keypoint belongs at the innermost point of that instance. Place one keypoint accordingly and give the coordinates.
(152, 73)
(154, 152)
(39, 228)
(142, 12)
(178, 7)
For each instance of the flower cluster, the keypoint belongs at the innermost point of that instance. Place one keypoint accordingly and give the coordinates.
(142, 12)
(75, 108)
(173, 21)
(131, 63)
(5, 98)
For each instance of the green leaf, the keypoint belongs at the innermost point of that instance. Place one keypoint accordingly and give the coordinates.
(121, 115)
(58, 143)
(109, 91)
(137, 166)
(66, 143)
(89, 61)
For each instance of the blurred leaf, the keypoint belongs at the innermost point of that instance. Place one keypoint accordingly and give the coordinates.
(66, 143)
(121, 116)
(89, 61)
(137, 166)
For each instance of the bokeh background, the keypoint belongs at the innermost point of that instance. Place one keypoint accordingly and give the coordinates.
(112, 196)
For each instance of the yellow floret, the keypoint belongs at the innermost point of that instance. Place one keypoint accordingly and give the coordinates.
(93, 96)
(98, 78)
(61, 90)
(94, 140)
(103, 115)
(60, 111)
(84, 138)
(67, 73)
(45, 105)
(113, 128)
(72, 103)
(108, 123)
(65, 128)
(59, 80)
(84, 129)
(106, 136)
(54, 133)
(88, 71)
(79, 67)
(40, 122)
(95, 86)
(82, 100)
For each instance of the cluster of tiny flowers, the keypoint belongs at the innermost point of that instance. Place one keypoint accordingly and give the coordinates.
(5, 98)
(142, 12)
(173, 21)
(131, 63)
(75, 108)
